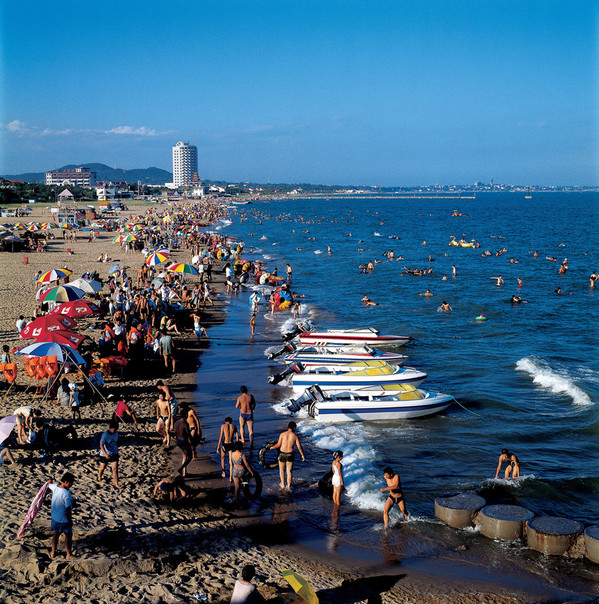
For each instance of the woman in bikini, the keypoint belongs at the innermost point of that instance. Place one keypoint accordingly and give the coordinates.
(240, 465)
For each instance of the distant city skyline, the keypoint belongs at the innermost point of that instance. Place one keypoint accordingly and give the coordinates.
(387, 93)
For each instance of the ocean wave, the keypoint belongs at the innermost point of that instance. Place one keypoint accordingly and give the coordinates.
(377, 234)
(552, 380)
(362, 475)
(318, 251)
(266, 257)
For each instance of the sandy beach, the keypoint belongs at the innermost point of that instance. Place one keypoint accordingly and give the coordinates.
(131, 548)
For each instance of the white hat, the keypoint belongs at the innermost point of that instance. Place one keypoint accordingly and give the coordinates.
(73, 386)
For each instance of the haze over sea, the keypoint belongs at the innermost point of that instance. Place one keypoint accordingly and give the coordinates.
(528, 376)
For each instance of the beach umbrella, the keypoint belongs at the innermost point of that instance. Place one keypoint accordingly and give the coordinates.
(19, 225)
(54, 275)
(300, 586)
(76, 308)
(67, 338)
(6, 426)
(47, 323)
(136, 227)
(34, 508)
(50, 349)
(157, 282)
(46, 226)
(64, 225)
(33, 226)
(124, 238)
(184, 268)
(157, 257)
(114, 268)
(87, 285)
(62, 293)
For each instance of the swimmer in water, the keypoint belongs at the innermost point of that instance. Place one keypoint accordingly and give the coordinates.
(428, 293)
(499, 280)
(445, 306)
(513, 466)
(329, 250)
(367, 301)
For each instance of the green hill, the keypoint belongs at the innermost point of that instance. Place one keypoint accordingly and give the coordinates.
(148, 176)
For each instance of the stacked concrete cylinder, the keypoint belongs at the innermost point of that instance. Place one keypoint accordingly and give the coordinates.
(591, 543)
(458, 510)
(505, 522)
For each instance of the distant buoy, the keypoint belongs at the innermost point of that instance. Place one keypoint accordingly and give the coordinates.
(481, 318)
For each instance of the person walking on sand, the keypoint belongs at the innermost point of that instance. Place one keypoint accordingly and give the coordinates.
(395, 495)
(228, 432)
(337, 480)
(513, 465)
(171, 399)
(286, 443)
(167, 350)
(163, 418)
(62, 513)
(183, 436)
(246, 404)
(109, 452)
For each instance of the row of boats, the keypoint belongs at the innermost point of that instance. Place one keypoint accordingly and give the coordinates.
(341, 375)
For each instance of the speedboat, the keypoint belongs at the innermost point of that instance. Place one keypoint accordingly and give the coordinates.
(365, 335)
(401, 401)
(336, 355)
(336, 380)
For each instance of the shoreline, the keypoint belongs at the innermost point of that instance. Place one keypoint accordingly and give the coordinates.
(131, 548)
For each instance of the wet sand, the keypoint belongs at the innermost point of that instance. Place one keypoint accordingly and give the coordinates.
(129, 547)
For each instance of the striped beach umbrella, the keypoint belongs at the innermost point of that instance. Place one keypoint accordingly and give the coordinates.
(62, 293)
(46, 226)
(54, 274)
(158, 257)
(33, 226)
(124, 238)
(62, 352)
(64, 225)
(184, 268)
(20, 225)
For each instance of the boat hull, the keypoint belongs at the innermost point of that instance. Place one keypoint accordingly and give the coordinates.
(338, 411)
(337, 339)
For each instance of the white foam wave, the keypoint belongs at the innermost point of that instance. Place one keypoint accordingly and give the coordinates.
(377, 234)
(552, 380)
(266, 257)
(362, 474)
(226, 222)
(318, 251)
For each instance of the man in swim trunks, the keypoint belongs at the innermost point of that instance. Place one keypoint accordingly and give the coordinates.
(513, 465)
(163, 417)
(395, 495)
(225, 442)
(171, 400)
(246, 405)
(287, 441)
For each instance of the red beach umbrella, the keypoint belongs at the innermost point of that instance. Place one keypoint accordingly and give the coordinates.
(47, 323)
(68, 338)
(76, 308)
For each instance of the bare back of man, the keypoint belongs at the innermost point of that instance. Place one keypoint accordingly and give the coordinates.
(286, 444)
(246, 405)
(228, 434)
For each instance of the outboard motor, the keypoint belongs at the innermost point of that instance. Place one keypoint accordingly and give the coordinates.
(299, 328)
(295, 405)
(289, 347)
(279, 377)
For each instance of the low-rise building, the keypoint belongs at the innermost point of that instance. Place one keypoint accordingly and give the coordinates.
(79, 177)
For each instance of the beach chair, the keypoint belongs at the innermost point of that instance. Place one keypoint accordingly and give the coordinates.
(10, 376)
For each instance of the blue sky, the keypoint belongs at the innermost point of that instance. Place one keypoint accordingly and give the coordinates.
(351, 92)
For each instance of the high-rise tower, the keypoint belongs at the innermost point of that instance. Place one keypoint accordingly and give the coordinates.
(185, 163)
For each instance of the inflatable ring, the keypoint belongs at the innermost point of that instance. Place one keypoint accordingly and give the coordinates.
(251, 485)
(262, 456)
(325, 485)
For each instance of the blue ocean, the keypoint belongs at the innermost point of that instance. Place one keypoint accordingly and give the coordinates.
(526, 378)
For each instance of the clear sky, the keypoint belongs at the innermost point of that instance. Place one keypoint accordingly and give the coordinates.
(387, 92)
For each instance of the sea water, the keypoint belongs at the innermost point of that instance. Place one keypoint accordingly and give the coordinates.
(526, 379)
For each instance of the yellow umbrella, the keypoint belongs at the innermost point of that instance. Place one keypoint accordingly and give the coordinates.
(300, 586)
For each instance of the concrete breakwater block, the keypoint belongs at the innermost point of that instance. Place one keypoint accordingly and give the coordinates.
(591, 543)
(503, 522)
(552, 535)
(458, 510)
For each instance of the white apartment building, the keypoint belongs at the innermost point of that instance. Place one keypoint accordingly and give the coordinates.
(185, 164)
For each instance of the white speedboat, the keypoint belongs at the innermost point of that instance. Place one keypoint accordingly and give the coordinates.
(400, 402)
(365, 335)
(335, 380)
(341, 355)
